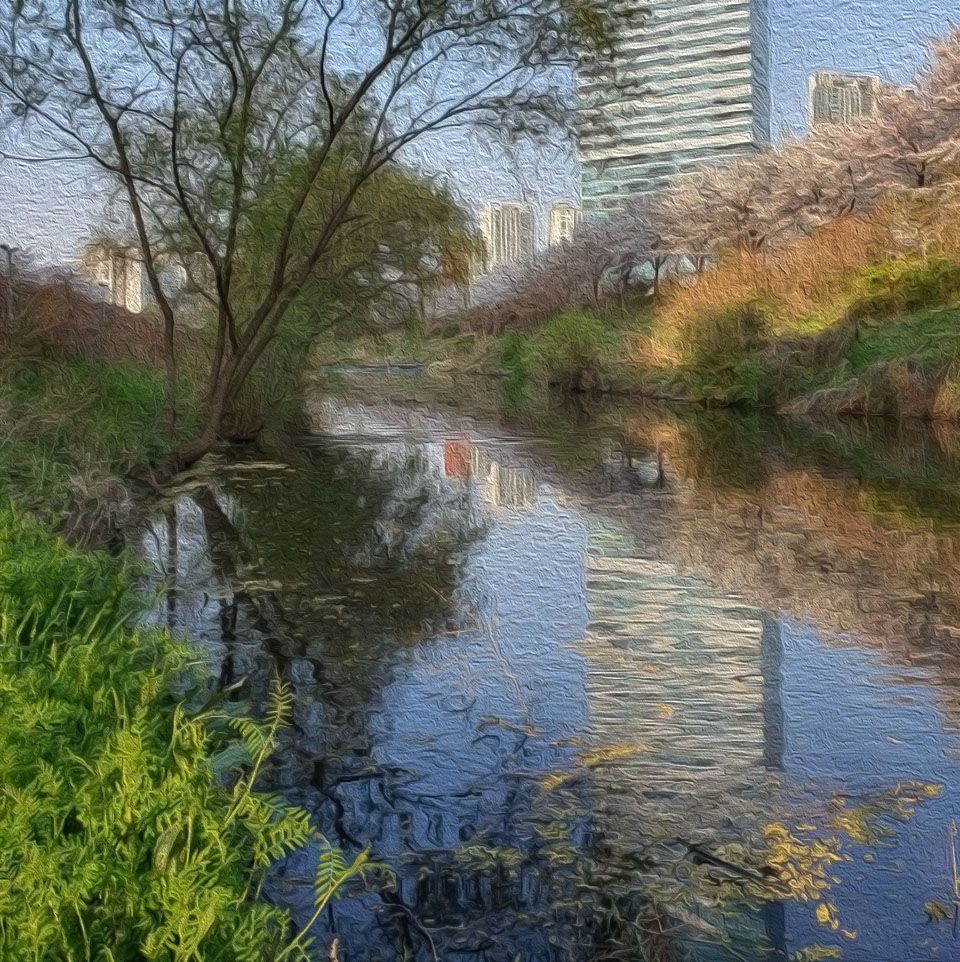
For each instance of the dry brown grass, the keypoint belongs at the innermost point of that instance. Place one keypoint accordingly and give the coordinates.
(946, 404)
(806, 285)
(803, 285)
(57, 318)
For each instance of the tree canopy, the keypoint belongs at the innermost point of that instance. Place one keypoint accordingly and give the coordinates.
(198, 109)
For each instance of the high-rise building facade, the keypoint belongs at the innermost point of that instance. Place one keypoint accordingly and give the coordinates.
(695, 82)
(508, 233)
(686, 87)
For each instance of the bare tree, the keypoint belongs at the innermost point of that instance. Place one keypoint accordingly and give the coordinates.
(198, 107)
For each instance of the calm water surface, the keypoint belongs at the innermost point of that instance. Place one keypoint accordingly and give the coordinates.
(623, 689)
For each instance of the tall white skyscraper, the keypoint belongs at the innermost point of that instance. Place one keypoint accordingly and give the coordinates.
(686, 87)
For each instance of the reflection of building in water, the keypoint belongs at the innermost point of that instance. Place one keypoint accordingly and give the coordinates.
(677, 691)
(648, 626)
(460, 467)
(503, 485)
(462, 731)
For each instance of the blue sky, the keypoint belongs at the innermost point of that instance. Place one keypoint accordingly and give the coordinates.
(48, 210)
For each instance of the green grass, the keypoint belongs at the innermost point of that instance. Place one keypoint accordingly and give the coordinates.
(905, 285)
(70, 429)
(932, 334)
(113, 411)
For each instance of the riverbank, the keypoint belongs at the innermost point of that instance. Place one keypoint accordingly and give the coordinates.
(900, 367)
(72, 430)
(135, 823)
(835, 325)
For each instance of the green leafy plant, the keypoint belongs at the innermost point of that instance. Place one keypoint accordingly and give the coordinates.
(131, 827)
(517, 362)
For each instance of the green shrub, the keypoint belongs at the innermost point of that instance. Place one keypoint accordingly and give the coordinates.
(518, 364)
(723, 360)
(118, 840)
(897, 287)
(732, 331)
(121, 407)
(572, 348)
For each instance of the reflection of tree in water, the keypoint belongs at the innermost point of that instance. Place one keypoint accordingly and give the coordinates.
(293, 572)
(551, 885)
(340, 516)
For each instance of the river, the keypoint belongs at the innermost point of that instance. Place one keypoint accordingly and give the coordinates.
(621, 685)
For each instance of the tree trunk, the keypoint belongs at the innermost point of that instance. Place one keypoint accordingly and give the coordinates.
(657, 267)
(188, 454)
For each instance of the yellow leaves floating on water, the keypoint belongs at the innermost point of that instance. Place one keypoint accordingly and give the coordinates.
(666, 711)
(485, 858)
(801, 866)
(937, 911)
(922, 789)
(555, 780)
(594, 758)
(864, 824)
(609, 753)
(827, 915)
(859, 824)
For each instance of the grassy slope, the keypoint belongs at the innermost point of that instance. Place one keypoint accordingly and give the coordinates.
(69, 430)
(932, 333)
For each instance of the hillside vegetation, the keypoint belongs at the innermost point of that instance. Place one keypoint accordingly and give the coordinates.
(822, 276)
(850, 319)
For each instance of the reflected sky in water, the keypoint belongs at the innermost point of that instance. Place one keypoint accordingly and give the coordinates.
(565, 744)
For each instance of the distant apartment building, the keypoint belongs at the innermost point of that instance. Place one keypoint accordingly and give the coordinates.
(564, 219)
(837, 98)
(119, 273)
(514, 232)
(508, 233)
